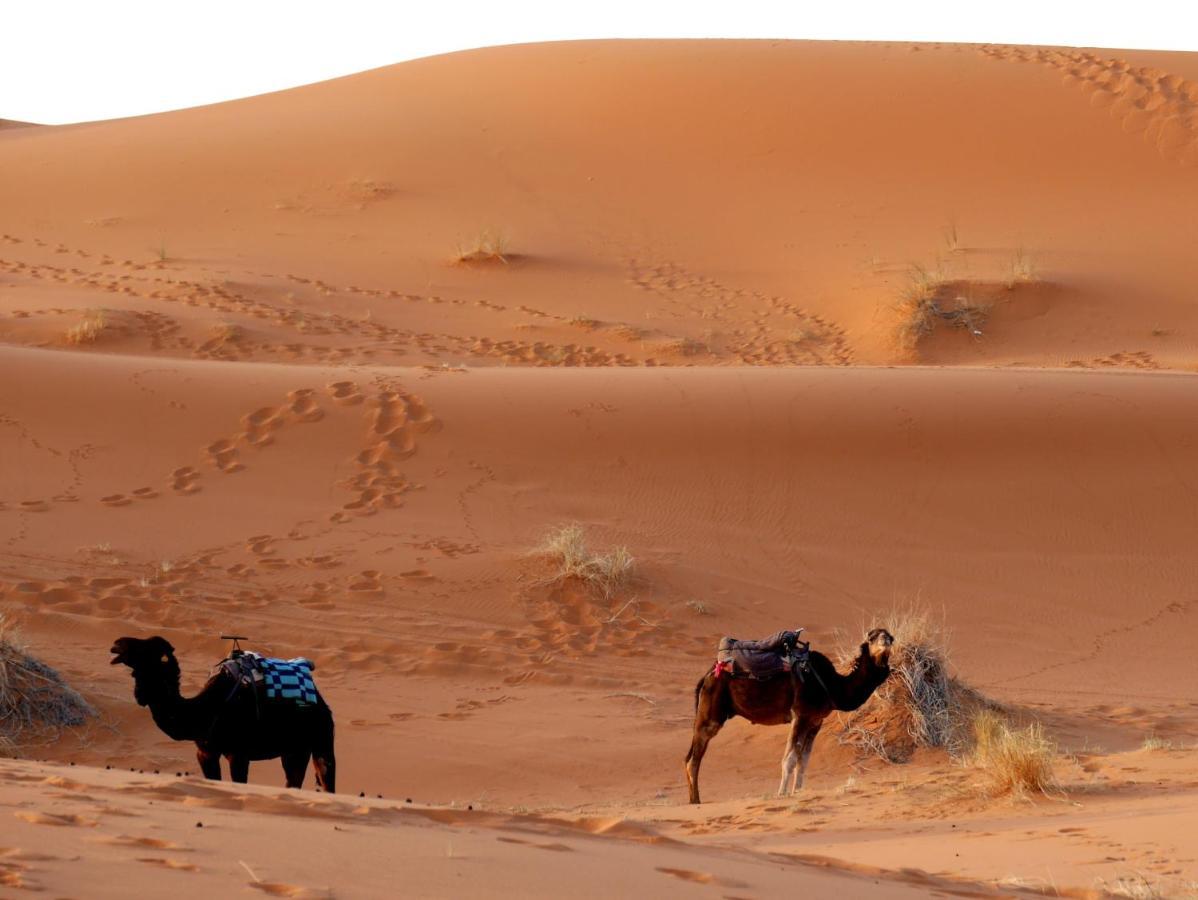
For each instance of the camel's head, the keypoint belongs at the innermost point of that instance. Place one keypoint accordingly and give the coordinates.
(152, 661)
(877, 646)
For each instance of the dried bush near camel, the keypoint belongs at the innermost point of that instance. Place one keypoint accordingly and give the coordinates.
(36, 704)
(921, 705)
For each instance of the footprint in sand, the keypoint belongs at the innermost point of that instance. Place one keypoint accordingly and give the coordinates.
(367, 583)
(167, 863)
(303, 404)
(279, 889)
(64, 819)
(223, 455)
(128, 840)
(345, 392)
(184, 480)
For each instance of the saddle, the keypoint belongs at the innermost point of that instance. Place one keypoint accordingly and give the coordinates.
(270, 680)
(782, 653)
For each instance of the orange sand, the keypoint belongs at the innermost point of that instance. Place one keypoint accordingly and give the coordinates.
(212, 323)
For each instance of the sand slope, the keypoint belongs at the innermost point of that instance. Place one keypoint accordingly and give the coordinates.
(246, 387)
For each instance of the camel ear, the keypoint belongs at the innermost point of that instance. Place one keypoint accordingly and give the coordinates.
(163, 647)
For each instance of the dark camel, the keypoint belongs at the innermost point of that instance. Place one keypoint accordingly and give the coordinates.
(804, 704)
(225, 721)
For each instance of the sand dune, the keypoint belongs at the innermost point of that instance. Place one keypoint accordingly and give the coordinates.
(250, 385)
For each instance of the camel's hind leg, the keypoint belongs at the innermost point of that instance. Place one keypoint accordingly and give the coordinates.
(325, 766)
(295, 767)
(324, 760)
(707, 725)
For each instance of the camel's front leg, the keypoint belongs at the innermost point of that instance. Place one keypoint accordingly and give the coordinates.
(790, 756)
(808, 743)
(209, 763)
(239, 768)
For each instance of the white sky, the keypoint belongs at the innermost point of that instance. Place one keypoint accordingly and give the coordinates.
(77, 60)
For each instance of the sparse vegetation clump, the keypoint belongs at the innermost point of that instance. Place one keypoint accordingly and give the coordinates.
(932, 296)
(1153, 742)
(1023, 270)
(921, 705)
(565, 550)
(488, 246)
(36, 704)
(686, 347)
(88, 329)
(1014, 760)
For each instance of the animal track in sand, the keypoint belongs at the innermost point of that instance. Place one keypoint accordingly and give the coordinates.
(1161, 107)
(13, 873)
(345, 392)
(762, 329)
(128, 840)
(167, 863)
(366, 583)
(57, 819)
(279, 889)
(223, 455)
(559, 848)
(183, 480)
(1139, 359)
(394, 418)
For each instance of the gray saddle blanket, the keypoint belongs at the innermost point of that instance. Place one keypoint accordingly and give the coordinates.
(775, 655)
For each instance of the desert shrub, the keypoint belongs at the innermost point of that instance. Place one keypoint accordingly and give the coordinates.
(1013, 759)
(36, 704)
(565, 551)
(931, 296)
(487, 246)
(1023, 269)
(1154, 742)
(921, 704)
(88, 329)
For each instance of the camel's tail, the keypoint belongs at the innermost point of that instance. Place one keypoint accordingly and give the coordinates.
(698, 689)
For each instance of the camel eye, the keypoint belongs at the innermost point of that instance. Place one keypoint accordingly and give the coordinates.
(165, 659)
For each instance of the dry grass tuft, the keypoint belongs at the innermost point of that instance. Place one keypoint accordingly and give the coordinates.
(1136, 886)
(921, 704)
(931, 296)
(226, 331)
(1023, 270)
(35, 703)
(686, 347)
(565, 550)
(1153, 742)
(488, 246)
(917, 308)
(88, 329)
(1014, 760)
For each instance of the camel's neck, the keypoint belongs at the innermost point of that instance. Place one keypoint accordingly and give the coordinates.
(180, 718)
(849, 691)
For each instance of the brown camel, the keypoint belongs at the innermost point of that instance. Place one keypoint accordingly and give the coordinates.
(226, 720)
(803, 702)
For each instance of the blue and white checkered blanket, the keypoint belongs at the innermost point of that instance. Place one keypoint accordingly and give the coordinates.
(288, 679)
(274, 679)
